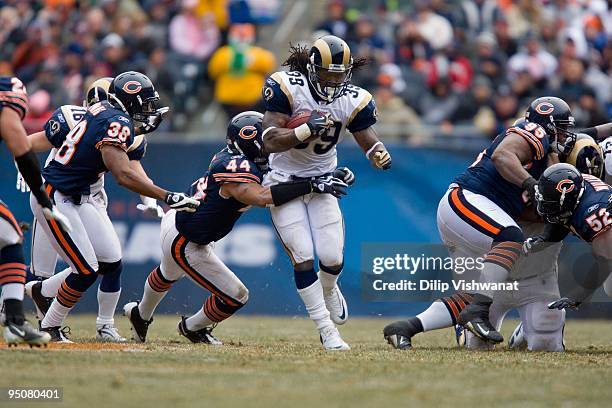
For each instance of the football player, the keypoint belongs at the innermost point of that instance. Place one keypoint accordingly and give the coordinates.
(579, 203)
(477, 216)
(44, 257)
(229, 187)
(97, 143)
(13, 107)
(318, 80)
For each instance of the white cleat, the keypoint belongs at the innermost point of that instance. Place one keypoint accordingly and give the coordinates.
(109, 333)
(331, 340)
(517, 340)
(336, 304)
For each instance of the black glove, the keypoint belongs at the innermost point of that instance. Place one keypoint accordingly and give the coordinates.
(152, 122)
(345, 174)
(552, 233)
(531, 185)
(180, 202)
(319, 123)
(564, 303)
(329, 185)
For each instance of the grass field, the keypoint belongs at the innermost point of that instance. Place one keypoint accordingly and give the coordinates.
(278, 362)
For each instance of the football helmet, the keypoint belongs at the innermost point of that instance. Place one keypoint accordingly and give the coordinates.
(555, 116)
(97, 91)
(586, 155)
(134, 93)
(558, 192)
(330, 67)
(245, 136)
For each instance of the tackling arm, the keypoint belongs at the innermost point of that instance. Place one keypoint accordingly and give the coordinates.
(128, 175)
(374, 149)
(510, 156)
(600, 132)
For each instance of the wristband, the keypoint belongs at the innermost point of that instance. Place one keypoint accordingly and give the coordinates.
(265, 132)
(302, 132)
(528, 183)
(371, 149)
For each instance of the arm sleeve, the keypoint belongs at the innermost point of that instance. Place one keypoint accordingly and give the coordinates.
(276, 99)
(30, 170)
(57, 128)
(364, 118)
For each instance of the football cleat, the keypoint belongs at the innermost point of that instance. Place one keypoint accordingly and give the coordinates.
(331, 340)
(198, 336)
(58, 335)
(475, 318)
(336, 304)
(139, 326)
(34, 290)
(109, 333)
(517, 340)
(399, 334)
(24, 333)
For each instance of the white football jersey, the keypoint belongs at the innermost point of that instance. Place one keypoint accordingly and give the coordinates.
(317, 157)
(606, 146)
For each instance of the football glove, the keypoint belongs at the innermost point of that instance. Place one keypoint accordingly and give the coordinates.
(149, 206)
(531, 185)
(382, 160)
(533, 244)
(52, 213)
(153, 121)
(180, 202)
(329, 185)
(345, 174)
(564, 303)
(21, 184)
(319, 123)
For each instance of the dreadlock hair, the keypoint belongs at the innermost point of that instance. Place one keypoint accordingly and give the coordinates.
(298, 59)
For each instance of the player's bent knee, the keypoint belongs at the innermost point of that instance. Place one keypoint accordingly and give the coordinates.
(111, 276)
(304, 266)
(510, 234)
(242, 295)
(333, 269)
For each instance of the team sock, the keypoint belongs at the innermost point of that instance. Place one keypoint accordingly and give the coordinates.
(107, 303)
(328, 278)
(436, 316)
(198, 321)
(155, 289)
(312, 296)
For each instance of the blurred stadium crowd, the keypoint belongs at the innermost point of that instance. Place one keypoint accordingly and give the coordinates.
(438, 67)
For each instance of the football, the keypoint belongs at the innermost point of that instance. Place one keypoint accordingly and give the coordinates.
(299, 118)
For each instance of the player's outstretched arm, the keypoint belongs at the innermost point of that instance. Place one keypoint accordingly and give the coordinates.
(279, 194)
(599, 132)
(510, 156)
(277, 138)
(149, 205)
(40, 142)
(374, 149)
(117, 161)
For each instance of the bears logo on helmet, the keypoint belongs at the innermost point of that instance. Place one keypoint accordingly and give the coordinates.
(132, 87)
(248, 132)
(545, 108)
(561, 186)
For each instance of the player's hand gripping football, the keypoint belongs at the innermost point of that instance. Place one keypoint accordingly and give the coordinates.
(329, 185)
(319, 123)
(180, 202)
(345, 174)
(149, 206)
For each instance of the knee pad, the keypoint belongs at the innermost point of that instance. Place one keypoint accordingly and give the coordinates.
(111, 276)
(544, 331)
(80, 282)
(14, 271)
(332, 270)
(510, 234)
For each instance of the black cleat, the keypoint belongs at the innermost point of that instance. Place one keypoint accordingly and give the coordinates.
(399, 334)
(139, 325)
(15, 334)
(200, 336)
(43, 303)
(58, 335)
(475, 318)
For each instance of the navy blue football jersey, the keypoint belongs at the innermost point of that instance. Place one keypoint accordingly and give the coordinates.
(590, 217)
(78, 162)
(483, 178)
(216, 215)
